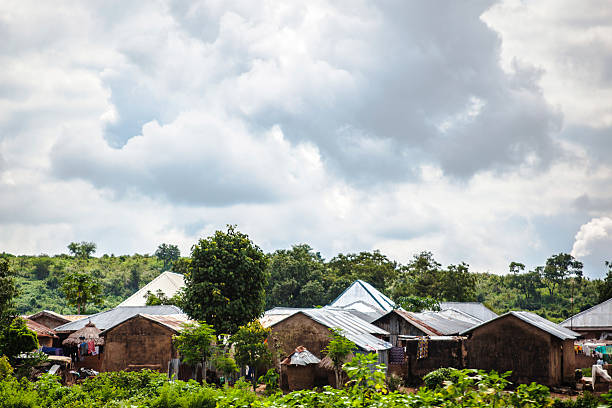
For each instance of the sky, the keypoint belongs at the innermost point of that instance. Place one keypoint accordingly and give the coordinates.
(480, 131)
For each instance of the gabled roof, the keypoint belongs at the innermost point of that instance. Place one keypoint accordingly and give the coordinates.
(599, 316)
(174, 322)
(168, 282)
(475, 309)
(363, 292)
(353, 328)
(301, 356)
(536, 321)
(112, 317)
(49, 313)
(443, 323)
(40, 329)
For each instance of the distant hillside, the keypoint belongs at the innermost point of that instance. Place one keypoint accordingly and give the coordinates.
(39, 279)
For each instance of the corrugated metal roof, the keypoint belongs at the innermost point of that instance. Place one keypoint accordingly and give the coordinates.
(446, 322)
(475, 309)
(301, 356)
(598, 316)
(353, 328)
(110, 318)
(168, 282)
(40, 329)
(363, 292)
(536, 321)
(175, 322)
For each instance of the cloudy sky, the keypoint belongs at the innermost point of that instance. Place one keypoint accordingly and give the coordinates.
(480, 130)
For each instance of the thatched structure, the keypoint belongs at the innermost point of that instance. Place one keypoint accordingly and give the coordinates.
(86, 334)
(327, 365)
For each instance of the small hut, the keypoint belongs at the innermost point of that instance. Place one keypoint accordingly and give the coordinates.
(80, 345)
(301, 368)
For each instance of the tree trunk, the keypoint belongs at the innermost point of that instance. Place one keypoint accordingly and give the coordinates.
(337, 372)
(204, 371)
(254, 379)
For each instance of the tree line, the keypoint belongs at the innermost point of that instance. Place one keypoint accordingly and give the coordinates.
(299, 277)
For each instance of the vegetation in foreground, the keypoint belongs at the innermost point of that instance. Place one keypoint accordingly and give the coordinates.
(365, 388)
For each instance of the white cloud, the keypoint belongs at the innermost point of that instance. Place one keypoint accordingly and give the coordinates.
(346, 125)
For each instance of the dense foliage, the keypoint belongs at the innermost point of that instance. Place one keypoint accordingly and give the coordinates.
(225, 281)
(300, 277)
(366, 388)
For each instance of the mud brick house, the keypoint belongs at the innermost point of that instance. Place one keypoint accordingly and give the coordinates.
(52, 320)
(142, 341)
(593, 323)
(443, 323)
(310, 328)
(46, 336)
(533, 348)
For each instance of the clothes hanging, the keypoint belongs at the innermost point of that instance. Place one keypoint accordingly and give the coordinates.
(422, 348)
(91, 347)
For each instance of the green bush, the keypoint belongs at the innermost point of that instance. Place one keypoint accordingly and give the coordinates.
(437, 377)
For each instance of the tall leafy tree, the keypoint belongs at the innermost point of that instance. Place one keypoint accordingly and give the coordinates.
(459, 283)
(81, 289)
(604, 287)
(422, 276)
(372, 267)
(168, 254)
(296, 278)
(226, 281)
(558, 268)
(82, 250)
(8, 292)
(195, 343)
(338, 350)
(251, 348)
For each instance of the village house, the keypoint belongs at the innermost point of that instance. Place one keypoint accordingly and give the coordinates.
(52, 320)
(593, 323)
(533, 348)
(447, 322)
(47, 338)
(143, 341)
(310, 329)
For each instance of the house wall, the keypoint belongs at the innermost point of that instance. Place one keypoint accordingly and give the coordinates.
(138, 343)
(49, 321)
(299, 330)
(569, 361)
(441, 353)
(397, 325)
(45, 341)
(509, 344)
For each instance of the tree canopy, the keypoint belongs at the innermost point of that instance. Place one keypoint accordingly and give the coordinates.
(81, 289)
(82, 249)
(225, 281)
(251, 348)
(168, 254)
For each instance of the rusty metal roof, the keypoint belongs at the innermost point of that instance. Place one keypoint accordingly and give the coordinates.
(475, 309)
(40, 329)
(536, 321)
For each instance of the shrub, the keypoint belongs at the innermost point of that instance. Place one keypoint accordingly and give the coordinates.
(437, 377)
(5, 368)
